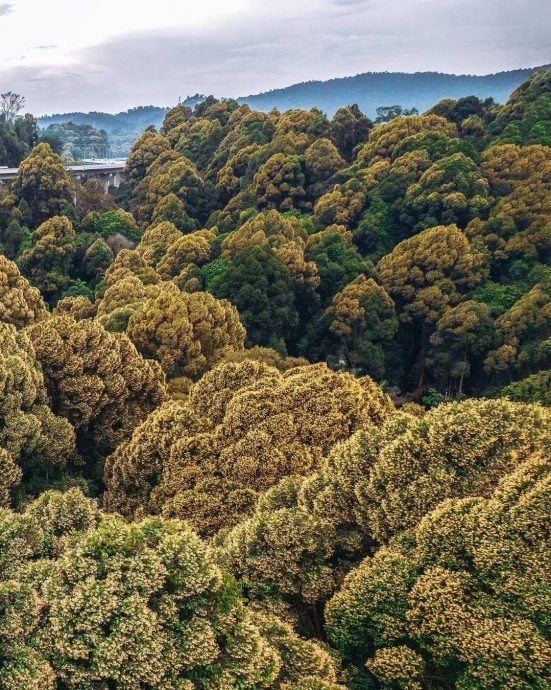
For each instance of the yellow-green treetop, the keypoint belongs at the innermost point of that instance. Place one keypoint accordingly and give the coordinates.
(153, 609)
(194, 248)
(157, 167)
(26, 540)
(144, 151)
(463, 332)
(349, 128)
(43, 183)
(135, 467)
(211, 395)
(463, 596)
(342, 205)
(267, 356)
(130, 262)
(175, 117)
(429, 271)
(318, 237)
(10, 476)
(321, 161)
(219, 644)
(125, 297)
(518, 225)
(78, 307)
(199, 140)
(452, 190)
(523, 334)
(181, 177)
(49, 258)
(458, 449)
(285, 236)
(186, 333)
(173, 210)
(248, 128)
(156, 240)
(364, 317)
(96, 379)
(508, 166)
(98, 257)
(384, 139)
(250, 426)
(230, 175)
(312, 123)
(35, 439)
(379, 483)
(20, 303)
(279, 183)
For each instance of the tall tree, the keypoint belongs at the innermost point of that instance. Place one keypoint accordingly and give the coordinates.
(261, 288)
(364, 317)
(426, 274)
(43, 183)
(11, 104)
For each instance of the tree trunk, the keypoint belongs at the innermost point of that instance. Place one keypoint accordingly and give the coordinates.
(418, 392)
(462, 373)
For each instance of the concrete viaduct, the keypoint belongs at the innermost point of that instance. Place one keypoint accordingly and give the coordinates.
(108, 172)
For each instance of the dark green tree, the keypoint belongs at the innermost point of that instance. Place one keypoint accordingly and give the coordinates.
(261, 288)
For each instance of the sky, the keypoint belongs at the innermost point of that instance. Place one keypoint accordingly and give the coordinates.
(109, 55)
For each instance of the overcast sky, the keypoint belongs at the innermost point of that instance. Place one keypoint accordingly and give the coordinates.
(113, 54)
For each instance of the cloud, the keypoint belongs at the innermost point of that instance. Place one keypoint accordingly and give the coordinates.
(346, 3)
(6, 8)
(274, 46)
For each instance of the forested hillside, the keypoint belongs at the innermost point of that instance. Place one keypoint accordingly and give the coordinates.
(370, 91)
(276, 417)
(373, 89)
(77, 142)
(121, 128)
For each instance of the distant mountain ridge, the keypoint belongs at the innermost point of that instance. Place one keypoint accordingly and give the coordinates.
(139, 117)
(370, 90)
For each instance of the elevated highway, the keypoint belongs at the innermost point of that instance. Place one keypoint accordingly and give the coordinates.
(110, 172)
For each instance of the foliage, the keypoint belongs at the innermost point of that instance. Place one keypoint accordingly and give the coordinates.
(306, 534)
(48, 261)
(532, 389)
(34, 442)
(20, 303)
(452, 613)
(43, 183)
(363, 315)
(259, 285)
(97, 380)
(186, 333)
(244, 427)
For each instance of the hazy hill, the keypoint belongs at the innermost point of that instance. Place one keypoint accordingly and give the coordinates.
(373, 89)
(122, 128)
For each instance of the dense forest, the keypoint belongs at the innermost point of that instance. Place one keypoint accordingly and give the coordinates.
(276, 416)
